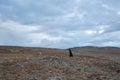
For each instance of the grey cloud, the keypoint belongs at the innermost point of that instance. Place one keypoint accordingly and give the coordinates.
(50, 23)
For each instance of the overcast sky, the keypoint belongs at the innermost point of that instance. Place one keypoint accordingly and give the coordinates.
(60, 23)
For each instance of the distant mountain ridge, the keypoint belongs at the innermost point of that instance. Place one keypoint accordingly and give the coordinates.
(96, 47)
(108, 47)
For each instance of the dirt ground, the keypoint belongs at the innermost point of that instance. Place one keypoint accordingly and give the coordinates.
(20, 63)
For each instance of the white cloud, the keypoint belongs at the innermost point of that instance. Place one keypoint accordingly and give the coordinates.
(102, 28)
(90, 32)
(108, 7)
(100, 31)
(107, 37)
(118, 12)
(28, 34)
(42, 39)
(111, 43)
(17, 27)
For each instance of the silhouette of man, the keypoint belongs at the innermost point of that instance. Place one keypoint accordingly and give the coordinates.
(70, 53)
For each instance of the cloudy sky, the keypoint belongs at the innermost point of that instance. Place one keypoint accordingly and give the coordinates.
(60, 23)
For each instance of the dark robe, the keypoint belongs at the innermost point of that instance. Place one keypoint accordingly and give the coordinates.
(70, 53)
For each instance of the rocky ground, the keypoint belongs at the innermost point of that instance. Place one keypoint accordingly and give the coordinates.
(47, 64)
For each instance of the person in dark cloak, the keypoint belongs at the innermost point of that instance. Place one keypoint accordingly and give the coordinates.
(70, 53)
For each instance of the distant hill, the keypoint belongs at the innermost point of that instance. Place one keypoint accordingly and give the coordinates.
(12, 49)
(94, 47)
(98, 49)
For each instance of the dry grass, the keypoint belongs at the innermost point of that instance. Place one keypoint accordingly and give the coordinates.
(54, 64)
